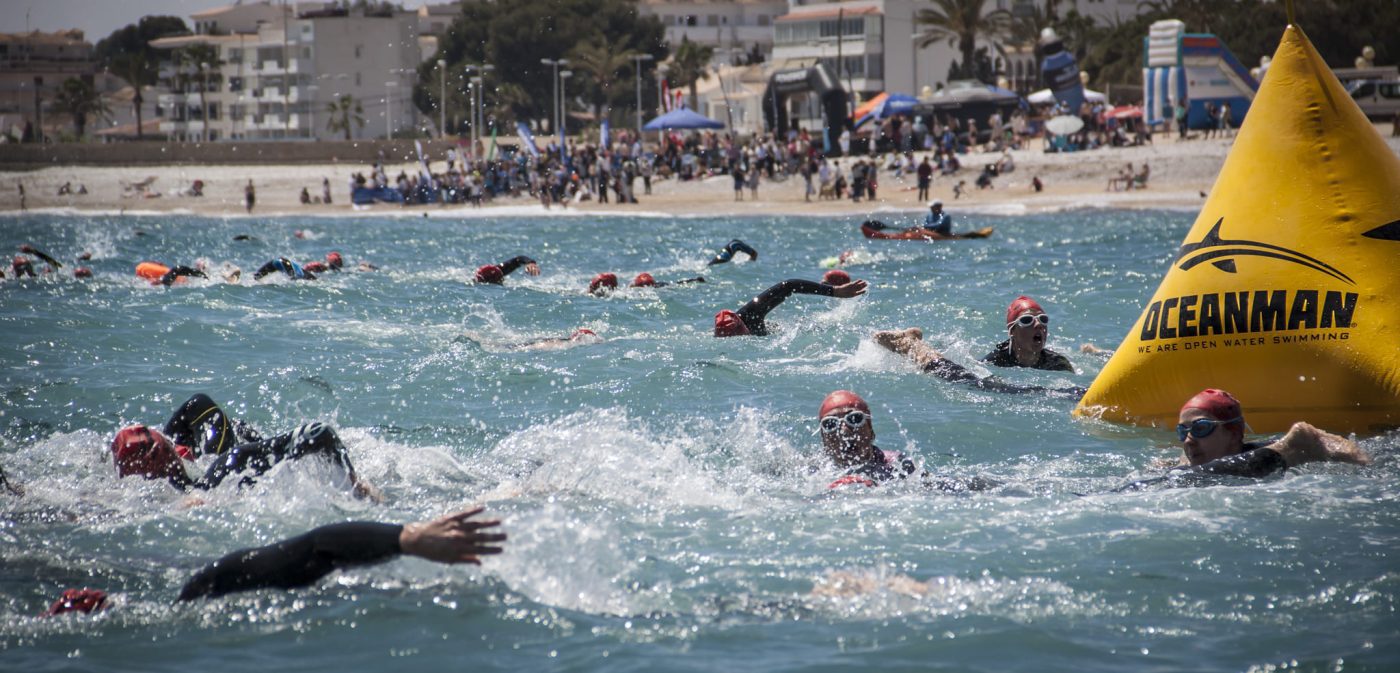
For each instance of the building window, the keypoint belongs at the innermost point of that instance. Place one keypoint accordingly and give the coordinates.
(358, 50)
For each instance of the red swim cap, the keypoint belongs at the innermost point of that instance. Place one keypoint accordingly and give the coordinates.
(728, 324)
(334, 259)
(1221, 406)
(140, 450)
(78, 600)
(490, 273)
(583, 332)
(608, 280)
(82, 272)
(643, 279)
(842, 399)
(836, 277)
(1020, 305)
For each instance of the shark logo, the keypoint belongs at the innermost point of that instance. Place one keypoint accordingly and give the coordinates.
(1221, 253)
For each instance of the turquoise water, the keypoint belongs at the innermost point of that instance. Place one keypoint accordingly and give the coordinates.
(664, 492)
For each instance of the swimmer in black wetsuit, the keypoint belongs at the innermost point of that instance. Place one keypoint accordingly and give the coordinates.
(645, 279)
(750, 320)
(727, 252)
(1028, 328)
(200, 427)
(1211, 430)
(301, 560)
(495, 274)
(910, 343)
(848, 439)
(286, 266)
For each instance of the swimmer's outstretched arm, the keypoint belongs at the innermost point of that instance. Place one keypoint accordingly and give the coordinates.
(171, 275)
(300, 561)
(754, 312)
(1307, 444)
(910, 343)
(531, 266)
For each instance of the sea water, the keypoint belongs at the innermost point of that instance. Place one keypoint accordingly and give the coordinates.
(664, 491)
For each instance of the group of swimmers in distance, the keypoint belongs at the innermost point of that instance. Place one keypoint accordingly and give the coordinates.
(1211, 431)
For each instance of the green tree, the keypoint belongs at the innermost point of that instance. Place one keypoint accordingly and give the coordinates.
(136, 39)
(139, 73)
(961, 23)
(80, 101)
(514, 37)
(202, 59)
(346, 113)
(691, 64)
(603, 61)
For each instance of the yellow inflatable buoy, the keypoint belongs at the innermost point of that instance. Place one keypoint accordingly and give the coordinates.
(1286, 291)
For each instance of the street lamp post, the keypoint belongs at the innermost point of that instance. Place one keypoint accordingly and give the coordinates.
(564, 75)
(389, 110)
(640, 58)
(477, 95)
(555, 63)
(442, 97)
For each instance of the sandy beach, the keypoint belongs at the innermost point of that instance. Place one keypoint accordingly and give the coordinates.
(1182, 173)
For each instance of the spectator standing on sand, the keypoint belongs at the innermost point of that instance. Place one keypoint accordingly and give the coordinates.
(249, 197)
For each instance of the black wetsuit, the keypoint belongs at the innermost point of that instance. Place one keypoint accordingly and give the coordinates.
(286, 266)
(659, 283)
(727, 252)
(514, 263)
(1049, 360)
(200, 424)
(894, 464)
(296, 562)
(754, 313)
(1256, 461)
(951, 371)
(171, 275)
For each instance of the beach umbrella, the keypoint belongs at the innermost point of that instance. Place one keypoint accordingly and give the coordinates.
(682, 118)
(1047, 97)
(1064, 125)
(866, 111)
(895, 104)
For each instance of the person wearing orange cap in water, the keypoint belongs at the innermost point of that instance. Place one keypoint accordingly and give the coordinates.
(1211, 427)
(495, 274)
(645, 279)
(1028, 327)
(751, 319)
(200, 427)
(848, 439)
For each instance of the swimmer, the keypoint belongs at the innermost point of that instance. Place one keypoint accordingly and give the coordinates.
(1029, 327)
(29, 249)
(727, 252)
(938, 221)
(848, 439)
(580, 337)
(910, 343)
(1211, 428)
(645, 279)
(22, 266)
(160, 274)
(200, 427)
(602, 284)
(750, 320)
(302, 560)
(289, 268)
(495, 274)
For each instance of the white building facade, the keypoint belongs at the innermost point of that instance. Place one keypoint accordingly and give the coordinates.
(732, 27)
(278, 69)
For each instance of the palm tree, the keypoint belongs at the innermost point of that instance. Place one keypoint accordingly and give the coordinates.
(345, 113)
(80, 100)
(961, 23)
(689, 65)
(139, 73)
(202, 57)
(602, 59)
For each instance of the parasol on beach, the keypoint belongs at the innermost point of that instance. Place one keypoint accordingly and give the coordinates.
(1064, 125)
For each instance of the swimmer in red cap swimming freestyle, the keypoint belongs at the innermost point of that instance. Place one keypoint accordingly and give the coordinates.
(302, 560)
(1211, 428)
(1028, 327)
(848, 439)
(750, 320)
(200, 427)
(603, 284)
(645, 279)
(910, 343)
(495, 274)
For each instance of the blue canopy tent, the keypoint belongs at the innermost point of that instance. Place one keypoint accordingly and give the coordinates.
(682, 118)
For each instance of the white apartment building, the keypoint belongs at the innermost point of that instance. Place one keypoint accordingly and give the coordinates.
(279, 67)
(732, 27)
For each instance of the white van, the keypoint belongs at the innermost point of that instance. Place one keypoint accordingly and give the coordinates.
(1378, 98)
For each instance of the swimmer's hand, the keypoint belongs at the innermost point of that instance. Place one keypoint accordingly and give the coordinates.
(453, 538)
(1307, 444)
(366, 491)
(899, 341)
(1091, 349)
(532, 268)
(854, 288)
